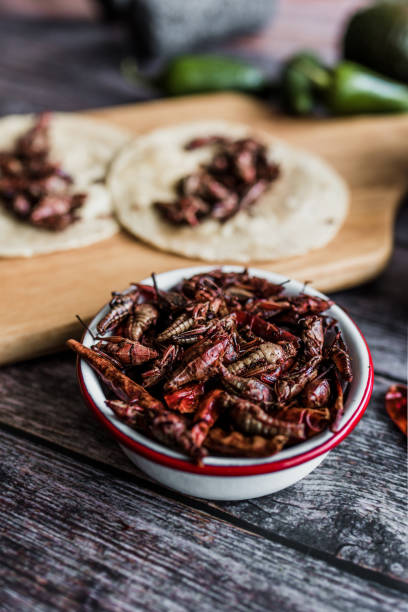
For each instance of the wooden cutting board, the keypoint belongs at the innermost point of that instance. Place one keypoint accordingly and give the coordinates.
(40, 296)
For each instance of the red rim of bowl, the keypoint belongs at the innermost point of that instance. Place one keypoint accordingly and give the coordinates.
(247, 470)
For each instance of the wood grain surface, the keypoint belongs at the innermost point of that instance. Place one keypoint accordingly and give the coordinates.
(363, 522)
(369, 153)
(82, 529)
(111, 540)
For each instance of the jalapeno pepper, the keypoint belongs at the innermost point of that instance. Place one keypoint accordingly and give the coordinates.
(302, 77)
(347, 89)
(354, 89)
(190, 74)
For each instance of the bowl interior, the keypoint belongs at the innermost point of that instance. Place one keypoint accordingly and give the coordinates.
(360, 356)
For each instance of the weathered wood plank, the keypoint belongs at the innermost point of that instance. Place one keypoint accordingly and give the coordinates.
(380, 310)
(387, 346)
(42, 397)
(352, 506)
(401, 224)
(74, 537)
(74, 64)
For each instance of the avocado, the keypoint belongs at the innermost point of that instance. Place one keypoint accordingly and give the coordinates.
(377, 37)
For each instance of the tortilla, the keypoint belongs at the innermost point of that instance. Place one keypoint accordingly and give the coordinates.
(303, 209)
(84, 148)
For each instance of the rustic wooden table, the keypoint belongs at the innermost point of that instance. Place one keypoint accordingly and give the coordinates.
(81, 529)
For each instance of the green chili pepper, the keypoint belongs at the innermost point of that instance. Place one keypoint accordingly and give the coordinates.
(303, 77)
(190, 74)
(298, 97)
(347, 89)
(354, 89)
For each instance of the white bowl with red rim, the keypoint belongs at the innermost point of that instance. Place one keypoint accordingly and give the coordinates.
(230, 478)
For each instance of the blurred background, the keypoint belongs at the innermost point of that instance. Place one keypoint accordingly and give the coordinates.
(68, 55)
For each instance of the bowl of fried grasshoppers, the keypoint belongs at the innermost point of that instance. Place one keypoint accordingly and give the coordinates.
(224, 383)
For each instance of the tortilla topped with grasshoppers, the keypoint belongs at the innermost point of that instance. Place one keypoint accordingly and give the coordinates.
(82, 149)
(301, 210)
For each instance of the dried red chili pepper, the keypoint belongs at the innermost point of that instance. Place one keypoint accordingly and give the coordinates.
(123, 386)
(396, 406)
(185, 399)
